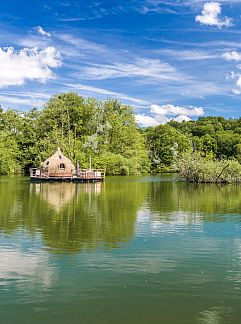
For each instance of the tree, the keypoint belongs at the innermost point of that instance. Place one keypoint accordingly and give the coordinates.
(105, 130)
(160, 141)
(8, 154)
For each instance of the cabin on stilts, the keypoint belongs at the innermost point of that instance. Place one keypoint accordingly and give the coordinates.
(59, 168)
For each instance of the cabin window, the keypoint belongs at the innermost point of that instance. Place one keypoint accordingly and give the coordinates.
(60, 157)
(62, 166)
(47, 163)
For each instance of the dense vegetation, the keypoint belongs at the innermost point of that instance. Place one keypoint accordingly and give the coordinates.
(206, 150)
(107, 131)
(194, 168)
(212, 137)
(104, 130)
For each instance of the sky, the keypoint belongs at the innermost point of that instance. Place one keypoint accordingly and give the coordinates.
(168, 59)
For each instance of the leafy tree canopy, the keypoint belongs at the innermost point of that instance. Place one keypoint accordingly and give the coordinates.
(83, 128)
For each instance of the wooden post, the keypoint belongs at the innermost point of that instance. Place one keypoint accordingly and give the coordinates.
(90, 166)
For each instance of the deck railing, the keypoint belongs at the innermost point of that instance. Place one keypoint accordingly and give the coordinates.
(80, 174)
(90, 174)
(35, 173)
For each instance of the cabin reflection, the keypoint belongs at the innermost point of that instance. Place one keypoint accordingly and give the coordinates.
(58, 195)
(73, 217)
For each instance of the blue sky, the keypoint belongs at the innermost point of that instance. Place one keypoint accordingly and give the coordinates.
(168, 59)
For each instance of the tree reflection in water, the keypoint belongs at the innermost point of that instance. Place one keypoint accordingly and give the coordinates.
(71, 217)
(208, 202)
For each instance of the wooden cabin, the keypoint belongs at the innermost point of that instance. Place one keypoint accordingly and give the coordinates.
(59, 168)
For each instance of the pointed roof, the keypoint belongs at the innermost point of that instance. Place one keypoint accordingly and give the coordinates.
(56, 159)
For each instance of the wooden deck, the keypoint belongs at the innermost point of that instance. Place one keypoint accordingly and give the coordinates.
(83, 175)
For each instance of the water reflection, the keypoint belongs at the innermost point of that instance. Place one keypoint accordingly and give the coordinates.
(56, 195)
(145, 251)
(59, 195)
(215, 315)
(190, 203)
(234, 273)
(71, 217)
(25, 270)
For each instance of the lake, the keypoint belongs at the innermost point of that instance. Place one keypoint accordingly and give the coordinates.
(143, 249)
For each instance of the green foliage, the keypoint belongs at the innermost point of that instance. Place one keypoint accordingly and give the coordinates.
(194, 168)
(8, 154)
(83, 128)
(118, 164)
(211, 137)
(107, 132)
(161, 141)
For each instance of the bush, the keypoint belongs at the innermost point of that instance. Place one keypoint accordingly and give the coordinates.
(194, 168)
(115, 164)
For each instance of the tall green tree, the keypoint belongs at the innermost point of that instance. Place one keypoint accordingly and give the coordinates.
(162, 141)
(82, 127)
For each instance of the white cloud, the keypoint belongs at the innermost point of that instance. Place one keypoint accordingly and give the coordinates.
(16, 67)
(176, 110)
(232, 56)
(33, 41)
(80, 43)
(145, 121)
(155, 6)
(42, 32)
(231, 76)
(90, 90)
(210, 15)
(33, 99)
(191, 55)
(239, 82)
(237, 91)
(21, 101)
(237, 78)
(141, 67)
(182, 118)
(165, 113)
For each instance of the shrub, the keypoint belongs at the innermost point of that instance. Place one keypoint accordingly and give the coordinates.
(194, 168)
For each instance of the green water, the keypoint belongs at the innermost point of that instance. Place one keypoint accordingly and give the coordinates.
(130, 250)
